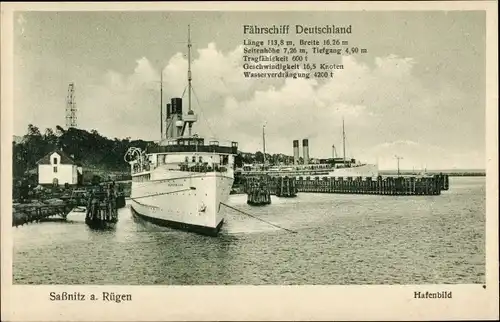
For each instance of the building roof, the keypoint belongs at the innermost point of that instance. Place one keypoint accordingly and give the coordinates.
(65, 159)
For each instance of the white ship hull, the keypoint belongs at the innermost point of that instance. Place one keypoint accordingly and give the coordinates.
(182, 181)
(186, 201)
(365, 170)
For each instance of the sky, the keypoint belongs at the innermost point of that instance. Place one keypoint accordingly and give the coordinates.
(419, 91)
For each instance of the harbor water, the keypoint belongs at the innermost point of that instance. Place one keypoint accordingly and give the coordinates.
(339, 239)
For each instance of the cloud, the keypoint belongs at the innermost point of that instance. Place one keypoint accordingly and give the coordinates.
(386, 108)
(122, 105)
(215, 74)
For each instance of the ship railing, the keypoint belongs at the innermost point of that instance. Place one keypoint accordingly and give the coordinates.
(202, 168)
(193, 167)
(140, 167)
(137, 159)
(211, 148)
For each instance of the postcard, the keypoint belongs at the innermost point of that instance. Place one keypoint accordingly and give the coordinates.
(249, 161)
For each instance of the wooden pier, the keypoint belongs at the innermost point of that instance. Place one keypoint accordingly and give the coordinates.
(445, 181)
(394, 186)
(388, 185)
(101, 205)
(258, 190)
(36, 212)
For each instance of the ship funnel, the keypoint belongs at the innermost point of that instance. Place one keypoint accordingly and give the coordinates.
(169, 110)
(305, 150)
(295, 152)
(174, 118)
(176, 105)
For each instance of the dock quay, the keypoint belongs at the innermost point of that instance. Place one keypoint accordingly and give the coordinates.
(394, 186)
(387, 185)
(258, 190)
(37, 211)
(99, 203)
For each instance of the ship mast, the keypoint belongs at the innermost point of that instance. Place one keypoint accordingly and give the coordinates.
(161, 105)
(189, 78)
(190, 118)
(264, 142)
(343, 139)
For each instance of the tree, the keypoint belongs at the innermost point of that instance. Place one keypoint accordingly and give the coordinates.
(35, 146)
(59, 130)
(19, 159)
(33, 130)
(51, 139)
(248, 158)
(89, 148)
(96, 180)
(238, 160)
(259, 157)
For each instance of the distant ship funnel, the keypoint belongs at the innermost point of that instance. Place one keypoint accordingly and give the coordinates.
(295, 152)
(305, 150)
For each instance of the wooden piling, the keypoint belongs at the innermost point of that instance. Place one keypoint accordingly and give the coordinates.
(394, 186)
(285, 186)
(102, 209)
(258, 190)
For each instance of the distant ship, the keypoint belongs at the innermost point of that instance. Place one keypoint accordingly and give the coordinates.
(182, 181)
(333, 167)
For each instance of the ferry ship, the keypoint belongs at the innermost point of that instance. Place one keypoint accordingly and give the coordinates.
(335, 167)
(332, 167)
(182, 181)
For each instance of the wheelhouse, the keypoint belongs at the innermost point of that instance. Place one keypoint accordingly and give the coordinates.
(194, 144)
(186, 155)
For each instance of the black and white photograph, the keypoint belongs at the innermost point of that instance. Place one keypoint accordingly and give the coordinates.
(248, 148)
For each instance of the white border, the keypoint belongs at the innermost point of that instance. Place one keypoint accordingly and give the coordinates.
(29, 303)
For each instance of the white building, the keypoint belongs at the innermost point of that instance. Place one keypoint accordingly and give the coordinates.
(58, 168)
